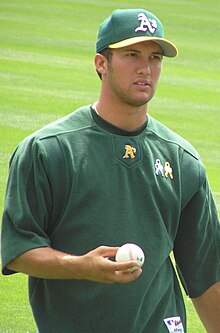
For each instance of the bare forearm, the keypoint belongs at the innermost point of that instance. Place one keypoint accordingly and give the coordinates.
(44, 262)
(47, 263)
(208, 308)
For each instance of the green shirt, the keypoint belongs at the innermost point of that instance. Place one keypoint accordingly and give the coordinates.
(80, 183)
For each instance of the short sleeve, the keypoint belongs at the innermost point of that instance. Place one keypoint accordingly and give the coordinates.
(27, 203)
(197, 244)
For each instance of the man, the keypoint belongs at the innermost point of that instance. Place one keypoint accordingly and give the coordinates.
(105, 175)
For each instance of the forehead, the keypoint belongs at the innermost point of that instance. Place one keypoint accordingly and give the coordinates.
(146, 46)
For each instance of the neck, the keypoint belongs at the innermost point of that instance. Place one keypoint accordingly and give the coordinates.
(126, 117)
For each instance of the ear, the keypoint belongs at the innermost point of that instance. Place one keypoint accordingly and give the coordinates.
(100, 63)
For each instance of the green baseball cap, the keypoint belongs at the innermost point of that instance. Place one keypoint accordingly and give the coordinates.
(130, 26)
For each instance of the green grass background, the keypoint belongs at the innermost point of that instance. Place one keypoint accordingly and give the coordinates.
(47, 71)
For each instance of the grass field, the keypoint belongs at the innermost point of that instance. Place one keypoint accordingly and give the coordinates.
(46, 71)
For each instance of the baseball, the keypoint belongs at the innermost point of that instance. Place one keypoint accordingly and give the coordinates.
(129, 252)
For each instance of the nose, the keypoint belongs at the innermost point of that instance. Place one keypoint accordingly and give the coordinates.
(144, 68)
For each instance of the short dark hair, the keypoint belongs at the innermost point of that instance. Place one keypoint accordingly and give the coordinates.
(107, 53)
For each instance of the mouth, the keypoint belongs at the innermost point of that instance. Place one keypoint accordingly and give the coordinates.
(142, 83)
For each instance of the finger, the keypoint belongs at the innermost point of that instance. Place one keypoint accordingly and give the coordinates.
(126, 277)
(107, 251)
(126, 266)
(120, 266)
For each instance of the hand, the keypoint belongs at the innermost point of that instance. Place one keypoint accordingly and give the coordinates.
(96, 266)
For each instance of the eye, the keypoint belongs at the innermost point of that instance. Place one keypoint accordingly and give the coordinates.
(132, 54)
(156, 57)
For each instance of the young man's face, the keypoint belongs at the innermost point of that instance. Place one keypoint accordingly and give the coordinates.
(133, 72)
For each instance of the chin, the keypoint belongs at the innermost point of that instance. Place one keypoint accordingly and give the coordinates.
(140, 101)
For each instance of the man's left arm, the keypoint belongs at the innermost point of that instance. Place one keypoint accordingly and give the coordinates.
(208, 307)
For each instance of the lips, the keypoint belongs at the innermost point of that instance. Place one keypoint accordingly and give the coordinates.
(142, 82)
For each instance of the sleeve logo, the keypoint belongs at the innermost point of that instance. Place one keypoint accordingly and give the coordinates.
(174, 325)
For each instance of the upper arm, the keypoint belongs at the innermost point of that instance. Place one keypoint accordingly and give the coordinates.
(208, 308)
(197, 243)
(27, 204)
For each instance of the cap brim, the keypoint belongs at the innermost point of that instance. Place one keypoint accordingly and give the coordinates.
(168, 48)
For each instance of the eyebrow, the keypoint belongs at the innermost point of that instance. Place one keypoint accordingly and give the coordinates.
(137, 51)
(131, 50)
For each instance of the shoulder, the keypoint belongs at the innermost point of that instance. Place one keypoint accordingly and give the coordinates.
(48, 136)
(170, 137)
(192, 172)
(75, 121)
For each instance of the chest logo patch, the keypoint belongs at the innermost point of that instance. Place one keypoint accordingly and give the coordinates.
(129, 152)
(165, 170)
(174, 325)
